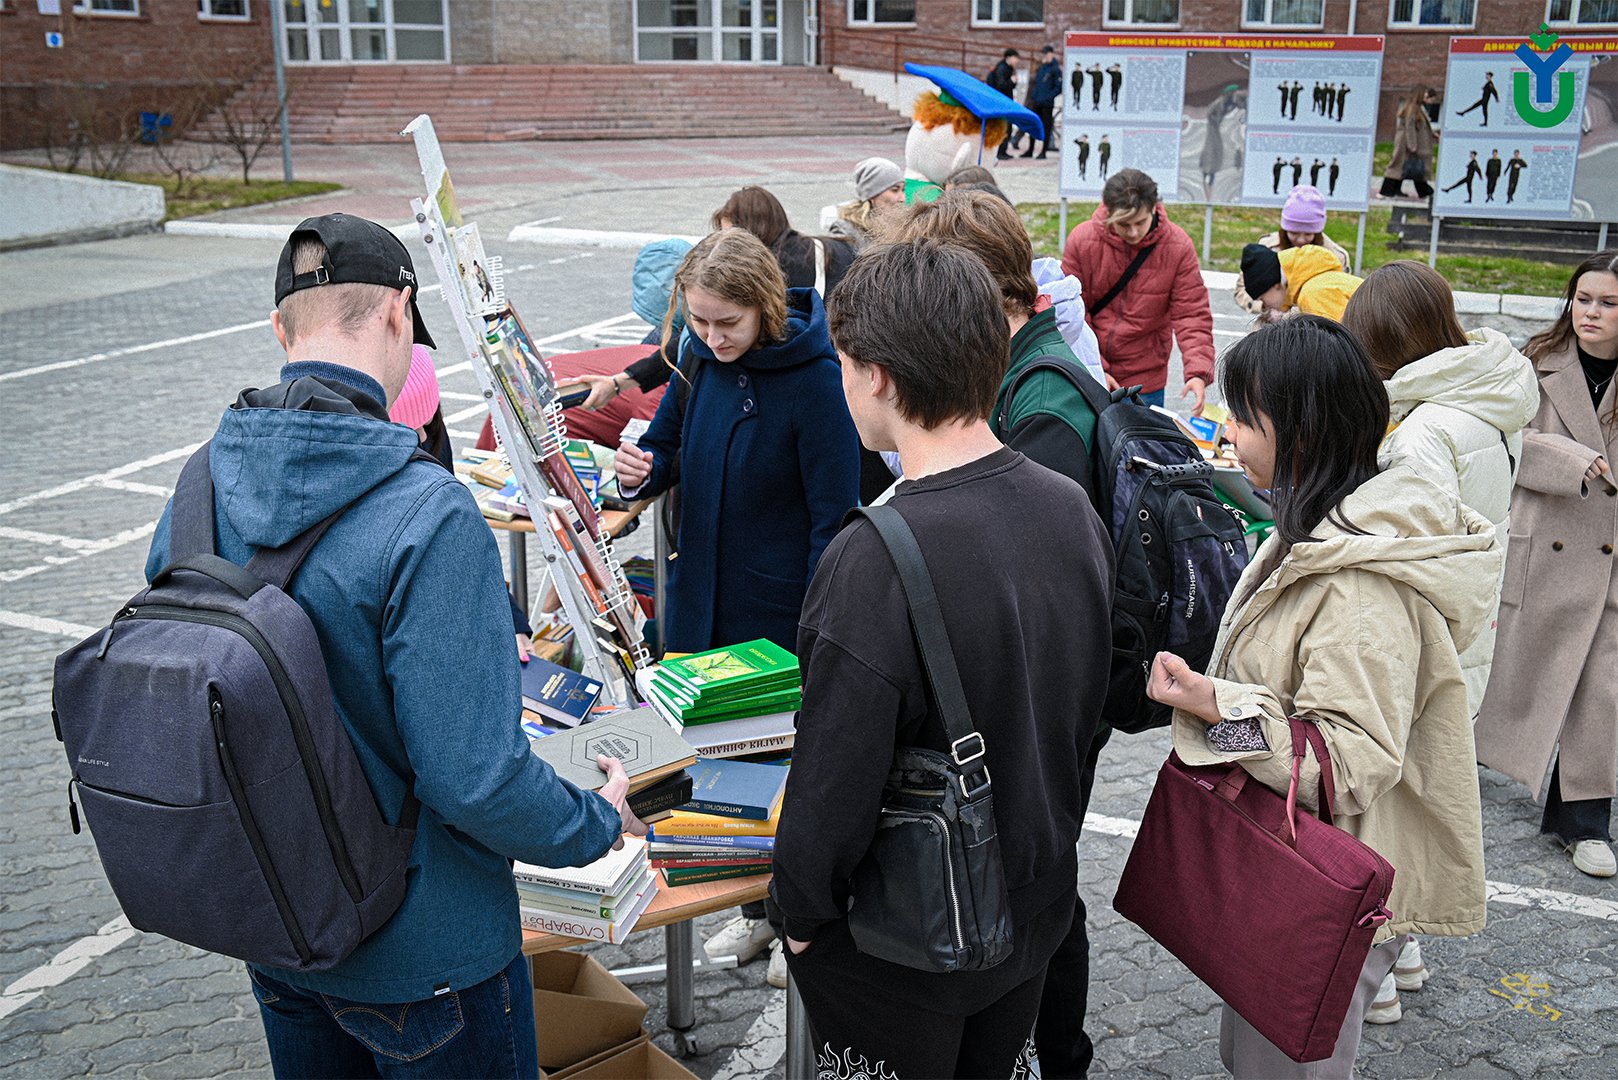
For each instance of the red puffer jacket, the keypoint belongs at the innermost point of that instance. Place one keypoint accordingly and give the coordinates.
(1166, 300)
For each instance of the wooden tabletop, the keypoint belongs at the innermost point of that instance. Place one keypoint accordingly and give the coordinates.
(672, 905)
(613, 521)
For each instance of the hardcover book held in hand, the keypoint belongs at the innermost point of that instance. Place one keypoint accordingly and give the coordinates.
(562, 696)
(640, 738)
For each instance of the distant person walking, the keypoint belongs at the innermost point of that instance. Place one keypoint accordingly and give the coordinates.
(1413, 143)
(1042, 98)
(1003, 77)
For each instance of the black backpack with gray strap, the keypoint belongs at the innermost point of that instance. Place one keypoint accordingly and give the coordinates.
(224, 795)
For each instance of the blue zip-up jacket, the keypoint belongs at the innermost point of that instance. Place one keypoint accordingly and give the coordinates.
(768, 465)
(406, 594)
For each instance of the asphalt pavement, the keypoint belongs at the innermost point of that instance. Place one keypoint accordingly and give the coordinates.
(117, 357)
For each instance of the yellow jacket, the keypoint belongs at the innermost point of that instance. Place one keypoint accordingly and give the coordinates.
(1317, 284)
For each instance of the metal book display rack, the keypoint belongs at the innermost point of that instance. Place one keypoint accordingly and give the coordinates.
(607, 620)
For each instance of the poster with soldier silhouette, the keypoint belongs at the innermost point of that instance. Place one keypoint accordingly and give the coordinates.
(1222, 119)
(1532, 139)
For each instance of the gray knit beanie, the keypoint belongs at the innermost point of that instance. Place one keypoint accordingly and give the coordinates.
(875, 175)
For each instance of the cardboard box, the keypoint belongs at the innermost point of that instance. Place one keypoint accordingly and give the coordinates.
(580, 1010)
(641, 1060)
(565, 1073)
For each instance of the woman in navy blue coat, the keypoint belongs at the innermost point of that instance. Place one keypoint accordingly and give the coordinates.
(762, 447)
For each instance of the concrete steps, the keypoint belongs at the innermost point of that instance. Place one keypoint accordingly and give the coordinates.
(477, 103)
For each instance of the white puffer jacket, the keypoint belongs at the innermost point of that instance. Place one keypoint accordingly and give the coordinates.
(1460, 414)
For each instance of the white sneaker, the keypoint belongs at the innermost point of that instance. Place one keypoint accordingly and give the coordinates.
(1409, 973)
(742, 938)
(1593, 857)
(1385, 1007)
(777, 975)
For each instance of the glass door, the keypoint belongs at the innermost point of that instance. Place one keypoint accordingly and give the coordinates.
(730, 31)
(366, 31)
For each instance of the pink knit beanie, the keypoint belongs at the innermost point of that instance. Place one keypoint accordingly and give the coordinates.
(1305, 210)
(419, 399)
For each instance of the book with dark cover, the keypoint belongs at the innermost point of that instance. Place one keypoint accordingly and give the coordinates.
(696, 875)
(640, 738)
(736, 789)
(561, 696)
(718, 672)
(666, 794)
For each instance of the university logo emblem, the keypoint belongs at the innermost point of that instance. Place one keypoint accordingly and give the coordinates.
(1544, 55)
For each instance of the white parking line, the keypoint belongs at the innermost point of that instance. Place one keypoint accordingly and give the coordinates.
(97, 478)
(23, 621)
(65, 964)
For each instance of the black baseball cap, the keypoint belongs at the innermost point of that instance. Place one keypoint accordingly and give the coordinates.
(358, 252)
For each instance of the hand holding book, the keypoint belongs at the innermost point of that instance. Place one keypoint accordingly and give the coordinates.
(616, 792)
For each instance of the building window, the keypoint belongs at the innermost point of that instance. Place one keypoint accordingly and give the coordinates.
(1416, 13)
(1285, 13)
(1143, 12)
(1582, 12)
(869, 12)
(1008, 13)
(222, 9)
(107, 7)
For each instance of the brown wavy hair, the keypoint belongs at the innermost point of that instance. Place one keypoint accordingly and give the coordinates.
(735, 266)
(986, 226)
(753, 208)
(1402, 311)
(930, 112)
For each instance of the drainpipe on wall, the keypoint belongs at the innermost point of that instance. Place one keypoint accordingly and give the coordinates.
(1353, 15)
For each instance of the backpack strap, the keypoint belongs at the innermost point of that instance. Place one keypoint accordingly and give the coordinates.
(937, 657)
(1123, 279)
(1095, 395)
(191, 514)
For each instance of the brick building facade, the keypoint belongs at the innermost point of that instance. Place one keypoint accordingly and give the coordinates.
(117, 57)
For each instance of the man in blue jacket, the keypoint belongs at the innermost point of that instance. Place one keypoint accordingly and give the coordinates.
(406, 593)
(1042, 97)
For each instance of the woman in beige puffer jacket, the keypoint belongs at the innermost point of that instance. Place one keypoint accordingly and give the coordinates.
(1459, 402)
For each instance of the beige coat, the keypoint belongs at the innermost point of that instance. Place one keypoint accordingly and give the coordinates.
(1559, 601)
(1412, 138)
(1361, 633)
(1460, 414)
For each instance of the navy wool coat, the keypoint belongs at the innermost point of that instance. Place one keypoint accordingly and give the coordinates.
(767, 460)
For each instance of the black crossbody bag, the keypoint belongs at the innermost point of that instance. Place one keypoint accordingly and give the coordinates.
(931, 892)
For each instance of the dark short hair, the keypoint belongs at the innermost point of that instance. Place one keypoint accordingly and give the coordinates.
(1010, 52)
(1129, 191)
(928, 313)
(1326, 408)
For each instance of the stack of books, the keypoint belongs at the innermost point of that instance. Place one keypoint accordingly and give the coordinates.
(727, 830)
(729, 702)
(599, 902)
(489, 477)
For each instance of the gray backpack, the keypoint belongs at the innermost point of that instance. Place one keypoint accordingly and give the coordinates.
(225, 798)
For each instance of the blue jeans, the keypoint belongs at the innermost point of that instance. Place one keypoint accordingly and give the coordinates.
(1152, 397)
(484, 1030)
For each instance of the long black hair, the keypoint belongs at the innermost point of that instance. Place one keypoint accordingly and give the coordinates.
(1309, 381)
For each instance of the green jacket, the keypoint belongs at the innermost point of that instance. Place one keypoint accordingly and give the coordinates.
(1049, 421)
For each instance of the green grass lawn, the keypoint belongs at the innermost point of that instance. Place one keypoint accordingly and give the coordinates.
(1233, 227)
(206, 194)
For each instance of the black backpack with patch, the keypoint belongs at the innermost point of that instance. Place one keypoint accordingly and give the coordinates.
(1179, 547)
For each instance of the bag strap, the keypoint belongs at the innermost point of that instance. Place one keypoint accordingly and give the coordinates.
(191, 519)
(937, 657)
(1118, 286)
(1305, 734)
(1095, 395)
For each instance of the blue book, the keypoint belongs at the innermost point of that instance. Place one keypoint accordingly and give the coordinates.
(736, 789)
(561, 696)
(741, 843)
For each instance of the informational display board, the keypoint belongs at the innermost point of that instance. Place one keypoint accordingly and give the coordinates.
(1222, 119)
(1508, 151)
(607, 620)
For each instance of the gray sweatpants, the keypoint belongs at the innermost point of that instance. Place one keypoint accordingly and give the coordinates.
(1250, 1056)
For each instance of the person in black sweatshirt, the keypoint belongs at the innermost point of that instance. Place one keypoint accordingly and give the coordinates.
(923, 342)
